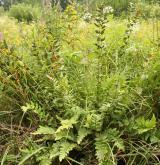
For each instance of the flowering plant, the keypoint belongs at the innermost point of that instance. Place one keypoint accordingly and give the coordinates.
(107, 10)
(87, 17)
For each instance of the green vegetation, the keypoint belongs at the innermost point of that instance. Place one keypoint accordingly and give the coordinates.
(80, 86)
(24, 12)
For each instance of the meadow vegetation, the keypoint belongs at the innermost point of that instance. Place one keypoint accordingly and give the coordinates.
(80, 86)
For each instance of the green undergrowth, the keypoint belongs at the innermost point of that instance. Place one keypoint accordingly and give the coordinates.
(73, 92)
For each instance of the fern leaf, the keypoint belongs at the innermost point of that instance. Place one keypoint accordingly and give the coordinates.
(94, 121)
(44, 159)
(82, 133)
(45, 162)
(66, 124)
(119, 144)
(55, 150)
(65, 148)
(44, 130)
(143, 125)
(64, 134)
(104, 142)
(102, 150)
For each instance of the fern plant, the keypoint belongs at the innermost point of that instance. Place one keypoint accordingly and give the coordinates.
(104, 128)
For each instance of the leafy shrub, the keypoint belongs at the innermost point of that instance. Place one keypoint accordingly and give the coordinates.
(150, 10)
(24, 12)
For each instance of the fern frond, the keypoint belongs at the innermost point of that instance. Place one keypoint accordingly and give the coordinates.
(82, 133)
(44, 158)
(45, 162)
(102, 150)
(119, 144)
(64, 134)
(54, 150)
(94, 121)
(66, 124)
(35, 108)
(44, 130)
(104, 142)
(142, 125)
(65, 148)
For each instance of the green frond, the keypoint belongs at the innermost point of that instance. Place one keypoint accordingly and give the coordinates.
(44, 130)
(66, 124)
(102, 150)
(82, 133)
(65, 134)
(65, 148)
(142, 125)
(54, 150)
